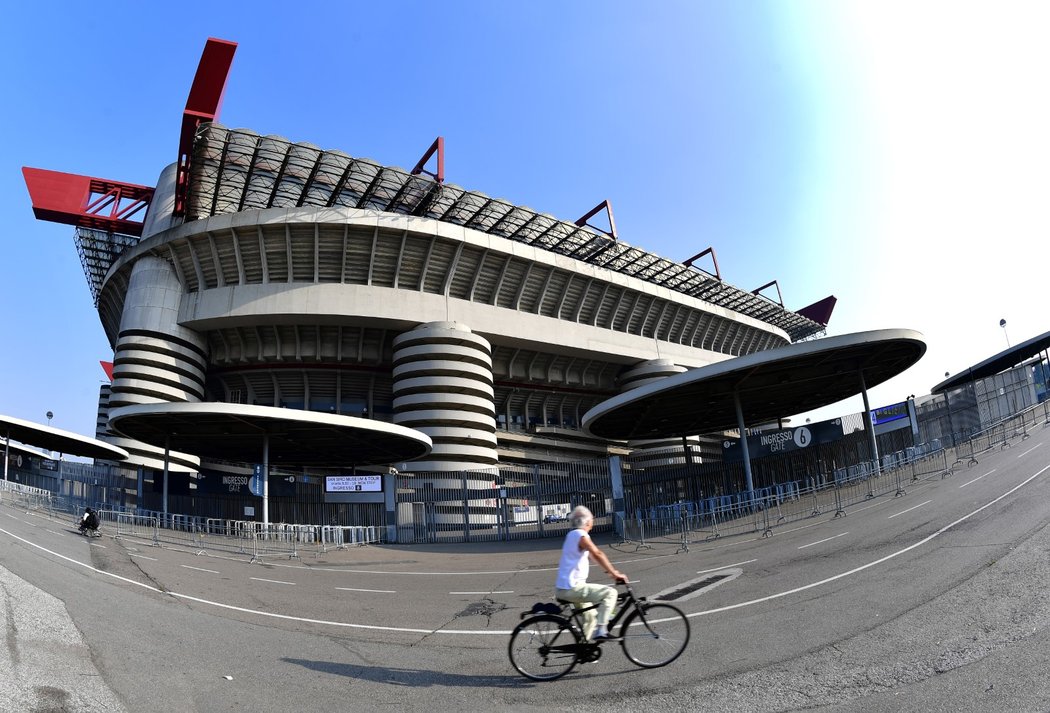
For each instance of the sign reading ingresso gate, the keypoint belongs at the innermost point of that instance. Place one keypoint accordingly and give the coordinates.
(782, 441)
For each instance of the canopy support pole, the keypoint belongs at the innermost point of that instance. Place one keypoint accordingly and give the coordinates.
(743, 441)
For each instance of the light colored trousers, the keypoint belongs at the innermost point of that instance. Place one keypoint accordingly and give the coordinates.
(600, 594)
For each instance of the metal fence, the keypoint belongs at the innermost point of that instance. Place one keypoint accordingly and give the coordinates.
(761, 511)
(665, 495)
(509, 502)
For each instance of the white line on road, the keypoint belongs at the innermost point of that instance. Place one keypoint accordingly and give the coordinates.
(509, 591)
(271, 581)
(154, 559)
(95, 544)
(377, 591)
(909, 509)
(53, 532)
(978, 478)
(494, 632)
(199, 569)
(1021, 455)
(873, 563)
(718, 569)
(824, 540)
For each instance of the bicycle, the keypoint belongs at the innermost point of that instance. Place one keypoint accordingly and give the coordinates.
(550, 642)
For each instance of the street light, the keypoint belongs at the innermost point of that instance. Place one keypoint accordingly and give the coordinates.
(1002, 323)
(49, 417)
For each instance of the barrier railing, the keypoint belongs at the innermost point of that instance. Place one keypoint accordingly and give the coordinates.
(764, 509)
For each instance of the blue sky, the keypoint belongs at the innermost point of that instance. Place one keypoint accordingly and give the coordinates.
(894, 154)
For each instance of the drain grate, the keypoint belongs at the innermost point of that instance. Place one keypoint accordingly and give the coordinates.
(690, 588)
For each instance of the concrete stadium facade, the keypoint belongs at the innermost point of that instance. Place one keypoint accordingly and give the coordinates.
(492, 346)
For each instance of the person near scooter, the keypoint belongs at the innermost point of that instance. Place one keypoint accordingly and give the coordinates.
(89, 522)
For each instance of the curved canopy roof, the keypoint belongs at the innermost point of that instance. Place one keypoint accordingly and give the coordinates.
(235, 432)
(770, 384)
(995, 364)
(55, 439)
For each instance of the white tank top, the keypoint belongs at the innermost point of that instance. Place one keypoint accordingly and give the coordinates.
(575, 563)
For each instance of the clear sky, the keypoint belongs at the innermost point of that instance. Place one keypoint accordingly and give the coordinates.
(893, 154)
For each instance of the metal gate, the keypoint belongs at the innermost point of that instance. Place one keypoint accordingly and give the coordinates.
(511, 502)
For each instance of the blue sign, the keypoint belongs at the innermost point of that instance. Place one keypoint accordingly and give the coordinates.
(886, 414)
(255, 483)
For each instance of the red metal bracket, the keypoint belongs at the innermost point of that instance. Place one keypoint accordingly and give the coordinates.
(820, 312)
(202, 105)
(107, 366)
(771, 283)
(606, 206)
(87, 202)
(714, 259)
(438, 147)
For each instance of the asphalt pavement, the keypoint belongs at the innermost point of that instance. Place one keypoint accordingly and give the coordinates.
(932, 601)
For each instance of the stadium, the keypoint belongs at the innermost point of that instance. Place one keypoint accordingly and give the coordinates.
(266, 272)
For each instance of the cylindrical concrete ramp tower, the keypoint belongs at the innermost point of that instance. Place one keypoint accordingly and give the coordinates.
(644, 373)
(443, 387)
(155, 359)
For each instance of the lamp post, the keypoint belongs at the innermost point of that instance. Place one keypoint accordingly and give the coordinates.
(49, 417)
(1002, 323)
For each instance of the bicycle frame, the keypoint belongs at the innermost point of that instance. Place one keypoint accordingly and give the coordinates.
(627, 601)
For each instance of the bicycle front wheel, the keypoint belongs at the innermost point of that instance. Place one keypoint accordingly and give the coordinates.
(543, 648)
(655, 634)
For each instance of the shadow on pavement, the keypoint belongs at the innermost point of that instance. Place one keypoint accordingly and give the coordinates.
(419, 678)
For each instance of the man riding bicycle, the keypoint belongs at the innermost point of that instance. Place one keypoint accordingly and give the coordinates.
(573, 569)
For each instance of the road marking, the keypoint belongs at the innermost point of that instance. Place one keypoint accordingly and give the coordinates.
(696, 586)
(1029, 450)
(509, 591)
(199, 569)
(826, 539)
(719, 569)
(376, 591)
(95, 544)
(60, 534)
(978, 478)
(154, 559)
(873, 563)
(909, 509)
(271, 581)
(493, 632)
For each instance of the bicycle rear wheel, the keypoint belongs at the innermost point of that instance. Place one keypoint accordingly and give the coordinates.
(655, 634)
(543, 648)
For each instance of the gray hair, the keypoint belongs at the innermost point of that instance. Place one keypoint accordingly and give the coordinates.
(580, 517)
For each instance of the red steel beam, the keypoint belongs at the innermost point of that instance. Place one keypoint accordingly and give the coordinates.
(87, 202)
(780, 297)
(714, 259)
(607, 207)
(438, 147)
(202, 105)
(820, 311)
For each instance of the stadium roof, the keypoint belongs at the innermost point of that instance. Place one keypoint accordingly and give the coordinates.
(236, 432)
(993, 365)
(55, 439)
(770, 385)
(234, 170)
